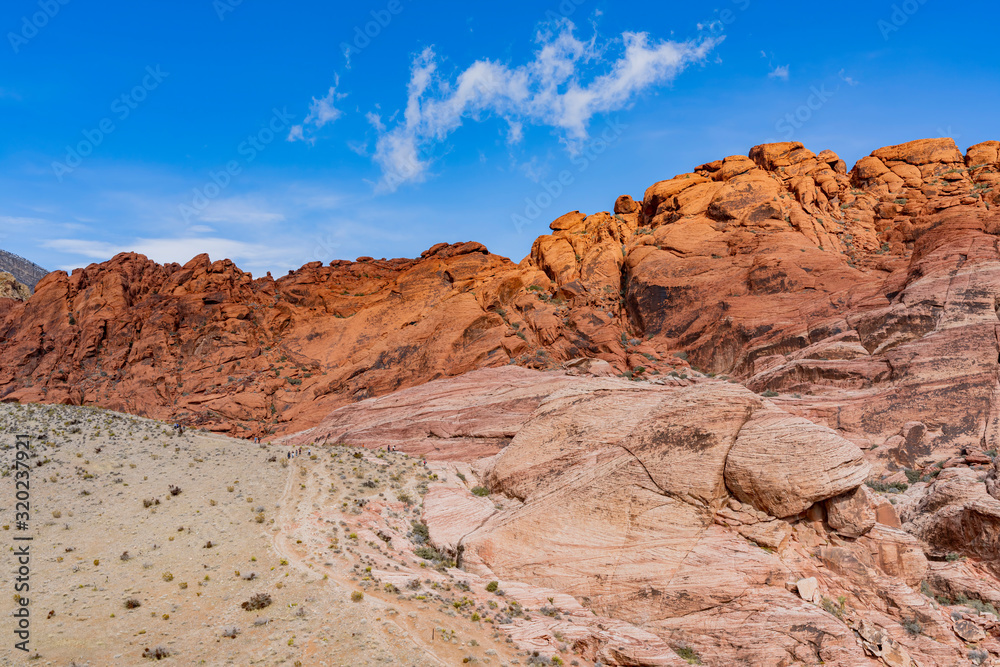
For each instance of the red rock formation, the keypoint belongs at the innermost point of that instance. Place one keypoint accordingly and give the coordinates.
(629, 497)
(859, 291)
(863, 304)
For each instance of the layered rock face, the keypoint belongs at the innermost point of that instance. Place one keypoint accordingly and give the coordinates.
(783, 331)
(699, 517)
(857, 290)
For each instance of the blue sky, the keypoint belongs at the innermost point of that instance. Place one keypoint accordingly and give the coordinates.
(277, 134)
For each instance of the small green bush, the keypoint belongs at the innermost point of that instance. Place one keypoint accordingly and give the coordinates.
(912, 626)
(688, 654)
(480, 491)
(894, 487)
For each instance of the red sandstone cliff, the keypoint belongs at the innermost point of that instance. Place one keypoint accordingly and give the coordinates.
(849, 293)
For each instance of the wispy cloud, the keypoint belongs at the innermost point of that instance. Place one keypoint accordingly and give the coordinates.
(240, 210)
(779, 72)
(850, 81)
(321, 112)
(178, 250)
(550, 91)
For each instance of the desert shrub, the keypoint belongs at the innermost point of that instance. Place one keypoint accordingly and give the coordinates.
(168, 576)
(158, 653)
(913, 476)
(427, 553)
(912, 626)
(688, 654)
(480, 491)
(174, 490)
(258, 601)
(492, 586)
(835, 608)
(230, 631)
(132, 603)
(357, 596)
(978, 605)
(420, 532)
(769, 393)
(882, 487)
(150, 502)
(952, 557)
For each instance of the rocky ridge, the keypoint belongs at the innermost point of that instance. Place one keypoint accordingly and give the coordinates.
(781, 269)
(751, 418)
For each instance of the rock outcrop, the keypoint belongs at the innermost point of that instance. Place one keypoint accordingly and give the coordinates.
(849, 293)
(620, 496)
(752, 417)
(10, 288)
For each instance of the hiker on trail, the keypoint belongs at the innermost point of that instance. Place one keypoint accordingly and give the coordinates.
(289, 455)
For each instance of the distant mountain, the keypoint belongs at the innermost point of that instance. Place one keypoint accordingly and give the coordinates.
(23, 270)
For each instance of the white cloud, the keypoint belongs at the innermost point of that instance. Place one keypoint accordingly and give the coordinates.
(375, 120)
(321, 112)
(239, 211)
(15, 221)
(358, 147)
(850, 81)
(180, 250)
(779, 72)
(549, 91)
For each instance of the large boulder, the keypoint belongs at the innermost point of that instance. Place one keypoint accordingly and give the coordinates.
(783, 464)
(851, 514)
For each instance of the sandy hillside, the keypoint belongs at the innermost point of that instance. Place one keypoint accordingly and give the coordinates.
(309, 532)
